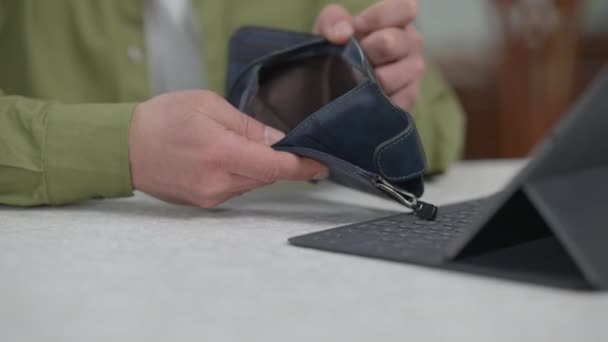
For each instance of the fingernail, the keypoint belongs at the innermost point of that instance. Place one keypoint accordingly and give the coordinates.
(272, 136)
(342, 29)
(321, 175)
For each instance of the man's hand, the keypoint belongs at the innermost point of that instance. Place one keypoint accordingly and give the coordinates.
(194, 147)
(389, 39)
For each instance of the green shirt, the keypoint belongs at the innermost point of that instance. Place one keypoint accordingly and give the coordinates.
(70, 79)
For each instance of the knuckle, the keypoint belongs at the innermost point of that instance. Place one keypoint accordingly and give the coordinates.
(382, 77)
(387, 43)
(270, 176)
(243, 125)
(373, 20)
(249, 127)
(411, 7)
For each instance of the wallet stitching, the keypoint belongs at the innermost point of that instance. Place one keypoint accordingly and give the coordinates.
(339, 100)
(406, 134)
(396, 178)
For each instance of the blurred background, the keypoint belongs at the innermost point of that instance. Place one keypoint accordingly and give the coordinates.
(517, 65)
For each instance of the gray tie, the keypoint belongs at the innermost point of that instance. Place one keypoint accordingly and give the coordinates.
(174, 46)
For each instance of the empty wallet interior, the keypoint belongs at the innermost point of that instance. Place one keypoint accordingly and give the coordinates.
(289, 92)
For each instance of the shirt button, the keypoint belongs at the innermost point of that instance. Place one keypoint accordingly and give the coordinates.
(135, 54)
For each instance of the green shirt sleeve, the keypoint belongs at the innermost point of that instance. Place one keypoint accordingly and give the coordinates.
(53, 153)
(440, 121)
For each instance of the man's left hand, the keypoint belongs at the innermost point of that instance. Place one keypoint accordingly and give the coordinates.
(386, 33)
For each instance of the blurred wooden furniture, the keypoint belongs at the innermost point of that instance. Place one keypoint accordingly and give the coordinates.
(593, 56)
(542, 63)
(537, 70)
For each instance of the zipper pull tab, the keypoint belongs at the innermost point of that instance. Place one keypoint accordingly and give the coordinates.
(426, 211)
(423, 210)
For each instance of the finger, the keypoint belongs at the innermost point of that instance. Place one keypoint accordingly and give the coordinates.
(221, 199)
(214, 202)
(391, 44)
(224, 187)
(395, 76)
(230, 195)
(385, 14)
(241, 184)
(238, 186)
(335, 23)
(407, 97)
(243, 124)
(260, 162)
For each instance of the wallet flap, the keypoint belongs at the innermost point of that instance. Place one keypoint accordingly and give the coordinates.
(399, 158)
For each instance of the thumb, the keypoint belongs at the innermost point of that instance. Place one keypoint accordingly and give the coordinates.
(258, 161)
(335, 23)
(220, 111)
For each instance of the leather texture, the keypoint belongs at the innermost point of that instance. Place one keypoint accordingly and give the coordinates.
(327, 100)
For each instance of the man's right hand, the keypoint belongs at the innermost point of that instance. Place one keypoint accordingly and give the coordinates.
(194, 147)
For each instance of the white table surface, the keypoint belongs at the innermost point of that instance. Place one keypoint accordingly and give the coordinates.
(142, 270)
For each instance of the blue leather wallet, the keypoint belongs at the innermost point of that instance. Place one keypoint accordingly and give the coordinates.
(327, 100)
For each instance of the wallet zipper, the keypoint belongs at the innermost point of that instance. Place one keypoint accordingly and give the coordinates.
(423, 210)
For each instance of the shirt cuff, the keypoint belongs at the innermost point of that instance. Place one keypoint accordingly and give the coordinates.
(86, 151)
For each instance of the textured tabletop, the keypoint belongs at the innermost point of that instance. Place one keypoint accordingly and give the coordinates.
(139, 269)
